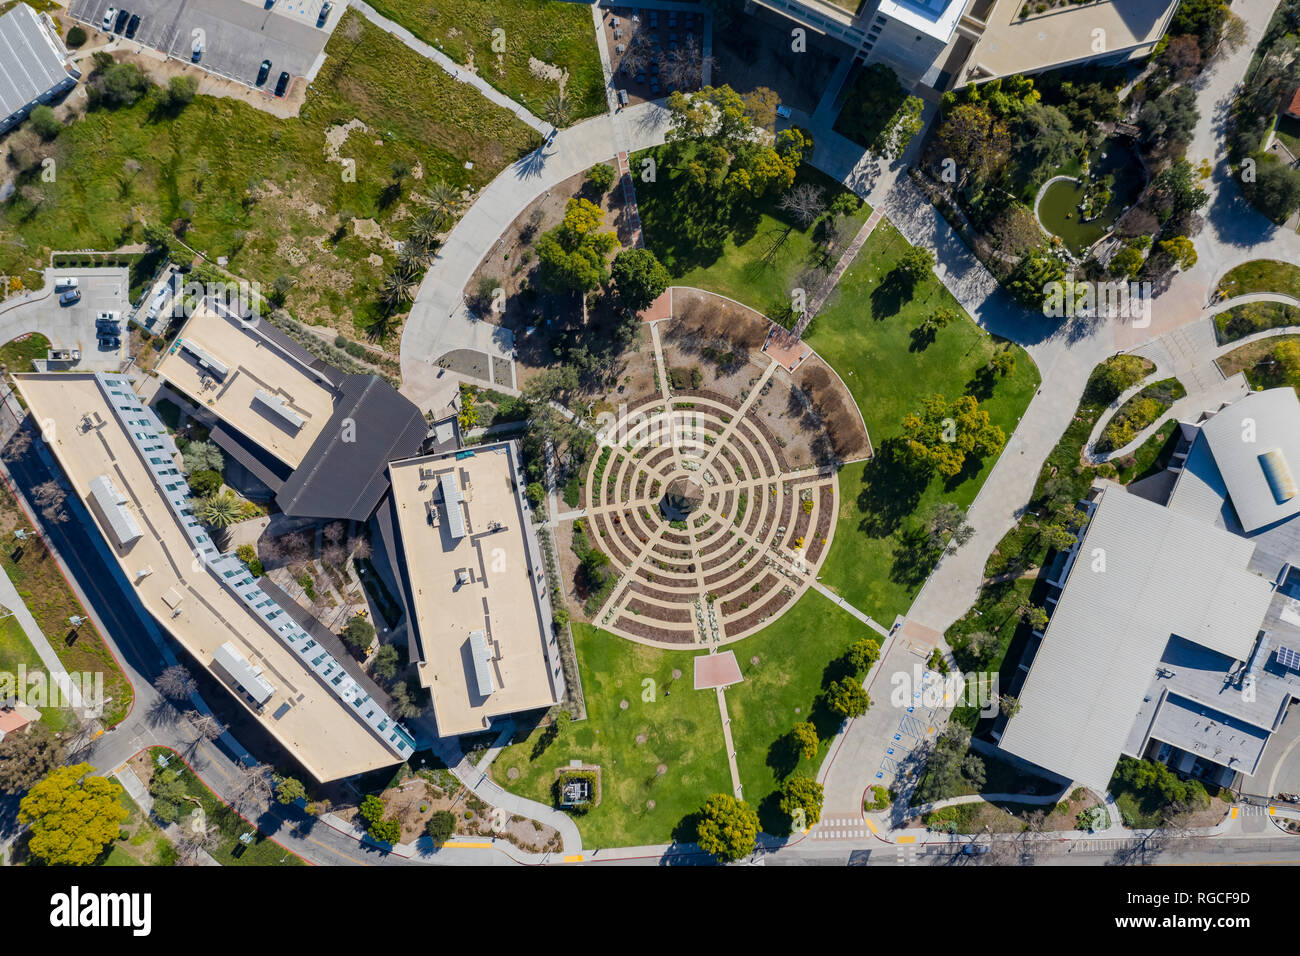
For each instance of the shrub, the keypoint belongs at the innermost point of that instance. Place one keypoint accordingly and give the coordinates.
(205, 483)
(45, 123)
(601, 176)
(76, 37)
(441, 827)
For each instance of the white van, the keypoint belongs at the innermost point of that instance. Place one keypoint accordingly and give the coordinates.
(63, 283)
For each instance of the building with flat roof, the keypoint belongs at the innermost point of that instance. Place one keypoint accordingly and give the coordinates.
(1176, 632)
(472, 583)
(947, 43)
(34, 65)
(317, 437)
(207, 601)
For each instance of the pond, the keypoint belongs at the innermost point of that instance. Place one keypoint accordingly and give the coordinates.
(1058, 207)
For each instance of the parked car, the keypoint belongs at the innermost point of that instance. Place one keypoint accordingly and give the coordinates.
(263, 72)
(109, 16)
(197, 51)
(132, 26)
(69, 297)
(282, 84)
(66, 282)
(122, 17)
(975, 849)
(325, 9)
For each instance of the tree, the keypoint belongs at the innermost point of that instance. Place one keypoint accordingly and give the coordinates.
(805, 740)
(944, 435)
(1179, 250)
(862, 654)
(205, 483)
(1203, 19)
(558, 109)
(1010, 706)
(121, 84)
(1002, 362)
(1044, 138)
(1170, 118)
(386, 831)
(846, 698)
(728, 828)
(572, 255)
(404, 701)
(444, 201)
(1182, 58)
(50, 499)
(1126, 263)
(914, 265)
(639, 278)
(252, 789)
(221, 510)
(978, 143)
(27, 757)
(193, 843)
(45, 123)
(386, 661)
(946, 526)
(685, 65)
(801, 796)
(936, 320)
(175, 683)
(72, 816)
(1275, 190)
(289, 789)
(359, 632)
(76, 37)
(441, 827)
(804, 203)
(180, 92)
(601, 176)
(1033, 280)
(1035, 616)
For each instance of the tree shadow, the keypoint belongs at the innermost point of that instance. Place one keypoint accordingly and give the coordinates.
(888, 297)
(783, 756)
(890, 491)
(771, 819)
(922, 337)
(914, 557)
(981, 384)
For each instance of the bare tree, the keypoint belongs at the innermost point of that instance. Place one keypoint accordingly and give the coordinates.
(297, 547)
(334, 554)
(638, 54)
(207, 726)
(804, 203)
(335, 531)
(360, 548)
(175, 683)
(194, 843)
(50, 499)
(253, 788)
(685, 66)
(18, 444)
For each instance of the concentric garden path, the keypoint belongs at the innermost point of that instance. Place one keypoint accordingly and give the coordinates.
(746, 551)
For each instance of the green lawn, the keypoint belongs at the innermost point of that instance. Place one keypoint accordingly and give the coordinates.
(1262, 275)
(1259, 363)
(15, 649)
(142, 842)
(682, 729)
(116, 165)
(17, 355)
(556, 33)
(757, 260)
(229, 852)
(794, 654)
(867, 334)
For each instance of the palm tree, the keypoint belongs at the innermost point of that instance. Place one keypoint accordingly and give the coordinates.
(558, 109)
(423, 236)
(395, 290)
(221, 510)
(444, 200)
(410, 262)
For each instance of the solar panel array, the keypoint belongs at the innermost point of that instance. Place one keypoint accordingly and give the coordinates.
(1288, 658)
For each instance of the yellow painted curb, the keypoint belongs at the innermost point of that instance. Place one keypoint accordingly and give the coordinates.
(576, 858)
(907, 839)
(1272, 810)
(470, 846)
(1232, 815)
(873, 827)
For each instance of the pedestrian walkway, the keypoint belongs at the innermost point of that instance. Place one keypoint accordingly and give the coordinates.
(841, 266)
(864, 618)
(736, 790)
(629, 201)
(58, 674)
(841, 828)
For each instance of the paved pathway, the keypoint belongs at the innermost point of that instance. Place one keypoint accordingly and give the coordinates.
(736, 790)
(458, 72)
(864, 618)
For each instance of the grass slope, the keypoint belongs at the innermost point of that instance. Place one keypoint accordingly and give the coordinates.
(556, 33)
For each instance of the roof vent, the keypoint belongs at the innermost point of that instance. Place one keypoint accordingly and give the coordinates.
(1280, 480)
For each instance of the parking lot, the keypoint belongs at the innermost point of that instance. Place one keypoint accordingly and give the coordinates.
(236, 35)
(73, 326)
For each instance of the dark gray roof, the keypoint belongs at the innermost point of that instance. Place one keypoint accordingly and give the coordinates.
(345, 472)
(31, 64)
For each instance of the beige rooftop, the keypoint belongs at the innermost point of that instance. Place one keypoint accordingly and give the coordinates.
(248, 377)
(315, 726)
(478, 581)
(1067, 35)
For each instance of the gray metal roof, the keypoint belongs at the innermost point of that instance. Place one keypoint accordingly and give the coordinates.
(112, 506)
(482, 663)
(451, 499)
(1251, 439)
(31, 63)
(345, 472)
(1144, 573)
(243, 673)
